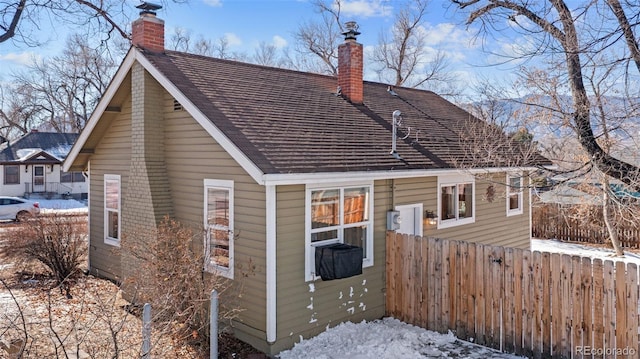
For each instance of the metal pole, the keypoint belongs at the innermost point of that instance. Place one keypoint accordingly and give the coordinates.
(146, 331)
(213, 326)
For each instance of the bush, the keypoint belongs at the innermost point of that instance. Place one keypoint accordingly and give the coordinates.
(56, 241)
(172, 280)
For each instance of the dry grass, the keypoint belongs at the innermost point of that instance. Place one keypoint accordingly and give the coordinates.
(43, 321)
(94, 323)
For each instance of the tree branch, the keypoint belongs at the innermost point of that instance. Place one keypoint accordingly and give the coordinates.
(11, 30)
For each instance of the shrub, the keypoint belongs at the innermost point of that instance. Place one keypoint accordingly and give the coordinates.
(56, 241)
(172, 280)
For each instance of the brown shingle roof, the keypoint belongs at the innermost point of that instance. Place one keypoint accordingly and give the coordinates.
(293, 122)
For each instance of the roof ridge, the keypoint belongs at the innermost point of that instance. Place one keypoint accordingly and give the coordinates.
(242, 63)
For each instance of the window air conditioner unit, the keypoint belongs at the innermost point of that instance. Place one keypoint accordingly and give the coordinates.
(336, 261)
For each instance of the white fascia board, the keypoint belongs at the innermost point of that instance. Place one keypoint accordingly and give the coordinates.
(115, 84)
(271, 263)
(333, 177)
(203, 120)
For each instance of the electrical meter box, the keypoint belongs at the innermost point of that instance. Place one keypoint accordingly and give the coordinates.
(393, 220)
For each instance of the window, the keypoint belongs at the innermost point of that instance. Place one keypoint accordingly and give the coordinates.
(11, 174)
(339, 215)
(112, 209)
(218, 224)
(456, 203)
(71, 177)
(514, 195)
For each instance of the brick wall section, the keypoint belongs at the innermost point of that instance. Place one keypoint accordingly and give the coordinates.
(350, 70)
(147, 32)
(147, 198)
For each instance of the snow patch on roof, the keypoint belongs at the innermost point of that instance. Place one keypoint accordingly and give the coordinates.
(60, 152)
(25, 153)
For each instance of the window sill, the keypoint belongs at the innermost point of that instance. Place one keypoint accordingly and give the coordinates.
(112, 242)
(221, 271)
(514, 212)
(455, 223)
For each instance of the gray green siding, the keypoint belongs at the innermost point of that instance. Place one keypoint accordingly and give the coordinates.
(190, 155)
(111, 156)
(492, 226)
(306, 308)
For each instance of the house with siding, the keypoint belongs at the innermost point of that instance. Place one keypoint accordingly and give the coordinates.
(32, 165)
(279, 165)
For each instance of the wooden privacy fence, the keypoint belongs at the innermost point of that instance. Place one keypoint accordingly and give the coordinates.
(518, 301)
(552, 221)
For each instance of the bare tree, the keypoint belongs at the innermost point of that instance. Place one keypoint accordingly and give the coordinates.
(583, 94)
(403, 58)
(16, 117)
(21, 19)
(321, 38)
(266, 54)
(571, 34)
(61, 92)
(181, 40)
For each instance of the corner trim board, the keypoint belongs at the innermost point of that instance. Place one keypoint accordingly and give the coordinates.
(271, 208)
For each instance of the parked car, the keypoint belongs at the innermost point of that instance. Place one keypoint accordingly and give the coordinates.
(18, 209)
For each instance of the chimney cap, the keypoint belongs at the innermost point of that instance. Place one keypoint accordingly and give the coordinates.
(148, 8)
(352, 30)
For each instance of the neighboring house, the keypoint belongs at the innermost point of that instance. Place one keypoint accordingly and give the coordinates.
(275, 163)
(32, 164)
(584, 190)
(568, 196)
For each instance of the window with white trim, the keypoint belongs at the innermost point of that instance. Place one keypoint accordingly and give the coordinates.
(514, 195)
(112, 205)
(456, 201)
(338, 214)
(72, 177)
(218, 224)
(11, 174)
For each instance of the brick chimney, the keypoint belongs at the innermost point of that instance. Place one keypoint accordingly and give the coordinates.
(147, 32)
(350, 64)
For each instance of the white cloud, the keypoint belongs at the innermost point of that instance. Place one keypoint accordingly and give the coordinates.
(448, 35)
(232, 39)
(279, 42)
(365, 8)
(213, 3)
(22, 58)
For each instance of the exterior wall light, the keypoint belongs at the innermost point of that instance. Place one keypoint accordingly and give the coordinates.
(430, 217)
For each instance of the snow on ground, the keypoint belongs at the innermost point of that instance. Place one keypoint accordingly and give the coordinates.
(386, 338)
(556, 246)
(68, 206)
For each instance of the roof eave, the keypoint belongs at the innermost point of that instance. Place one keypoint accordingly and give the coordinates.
(335, 177)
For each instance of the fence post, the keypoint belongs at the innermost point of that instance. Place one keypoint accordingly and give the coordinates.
(213, 326)
(146, 331)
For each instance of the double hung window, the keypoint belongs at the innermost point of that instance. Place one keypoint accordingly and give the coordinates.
(112, 205)
(514, 195)
(218, 224)
(340, 214)
(11, 174)
(456, 201)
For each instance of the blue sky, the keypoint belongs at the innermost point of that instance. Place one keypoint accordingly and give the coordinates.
(246, 23)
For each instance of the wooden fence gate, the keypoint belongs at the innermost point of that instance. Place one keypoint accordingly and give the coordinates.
(529, 303)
